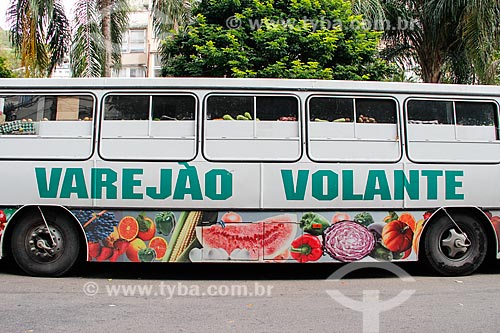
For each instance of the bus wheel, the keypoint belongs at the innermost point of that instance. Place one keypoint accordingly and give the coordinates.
(455, 251)
(45, 252)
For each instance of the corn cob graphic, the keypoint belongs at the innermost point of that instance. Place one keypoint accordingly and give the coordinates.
(183, 236)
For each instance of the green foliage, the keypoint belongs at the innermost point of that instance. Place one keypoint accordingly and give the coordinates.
(452, 41)
(4, 70)
(274, 38)
(12, 61)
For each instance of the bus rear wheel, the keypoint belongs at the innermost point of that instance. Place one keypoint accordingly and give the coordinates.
(455, 249)
(42, 251)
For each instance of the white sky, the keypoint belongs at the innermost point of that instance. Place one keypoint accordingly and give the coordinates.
(4, 4)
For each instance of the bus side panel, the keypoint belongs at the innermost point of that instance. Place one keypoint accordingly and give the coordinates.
(62, 183)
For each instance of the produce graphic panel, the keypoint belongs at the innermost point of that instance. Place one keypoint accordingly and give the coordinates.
(229, 236)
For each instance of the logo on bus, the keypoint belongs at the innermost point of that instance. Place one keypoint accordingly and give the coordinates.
(328, 185)
(106, 183)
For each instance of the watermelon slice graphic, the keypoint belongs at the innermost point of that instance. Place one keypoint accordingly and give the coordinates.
(264, 239)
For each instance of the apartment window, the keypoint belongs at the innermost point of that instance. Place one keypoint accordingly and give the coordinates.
(134, 41)
(138, 72)
(157, 64)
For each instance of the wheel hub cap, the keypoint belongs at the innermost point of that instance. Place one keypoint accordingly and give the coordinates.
(44, 243)
(456, 243)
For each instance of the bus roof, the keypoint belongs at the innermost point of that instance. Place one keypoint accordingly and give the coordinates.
(249, 84)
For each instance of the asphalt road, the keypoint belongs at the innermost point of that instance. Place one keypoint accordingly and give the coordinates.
(249, 298)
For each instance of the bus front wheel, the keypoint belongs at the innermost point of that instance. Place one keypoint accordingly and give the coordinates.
(42, 251)
(455, 248)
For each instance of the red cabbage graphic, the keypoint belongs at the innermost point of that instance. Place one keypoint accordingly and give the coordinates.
(348, 241)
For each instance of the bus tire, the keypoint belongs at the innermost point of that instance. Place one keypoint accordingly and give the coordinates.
(444, 248)
(32, 249)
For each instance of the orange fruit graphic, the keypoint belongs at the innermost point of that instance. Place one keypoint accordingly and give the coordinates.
(160, 246)
(133, 249)
(128, 228)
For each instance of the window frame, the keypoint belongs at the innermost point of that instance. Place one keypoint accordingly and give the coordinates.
(126, 46)
(455, 142)
(57, 93)
(298, 136)
(356, 128)
(496, 111)
(150, 121)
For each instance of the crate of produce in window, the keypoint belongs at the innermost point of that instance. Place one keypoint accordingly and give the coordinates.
(10, 126)
(26, 127)
(18, 127)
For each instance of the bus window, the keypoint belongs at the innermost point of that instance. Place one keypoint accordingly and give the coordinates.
(430, 112)
(268, 128)
(24, 107)
(475, 114)
(331, 109)
(40, 107)
(452, 131)
(173, 108)
(229, 107)
(126, 107)
(149, 127)
(277, 108)
(331, 128)
(60, 126)
(475, 121)
(376, 111)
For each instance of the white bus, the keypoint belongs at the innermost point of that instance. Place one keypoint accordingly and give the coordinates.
(247, 170)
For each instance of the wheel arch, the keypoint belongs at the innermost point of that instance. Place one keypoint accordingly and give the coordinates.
(24, 211)
(473, 212)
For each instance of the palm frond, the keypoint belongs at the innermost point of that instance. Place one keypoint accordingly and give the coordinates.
(91, 45)
(39, 32)
(58, 37)
(169, 15)
(119, 24)
(372, 10)
(88, 47)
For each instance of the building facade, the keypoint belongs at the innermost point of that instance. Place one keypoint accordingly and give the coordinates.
(139, 47)
(139, 50)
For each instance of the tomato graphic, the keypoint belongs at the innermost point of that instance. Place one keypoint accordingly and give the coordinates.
(231, 217)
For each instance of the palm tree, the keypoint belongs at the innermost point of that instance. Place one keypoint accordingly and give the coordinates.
(99, 28)
(39, 32)
(371, 9)
(453, 38)
(169, 15)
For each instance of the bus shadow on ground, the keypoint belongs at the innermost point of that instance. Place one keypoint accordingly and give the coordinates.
(237, 271)
(250, 271)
